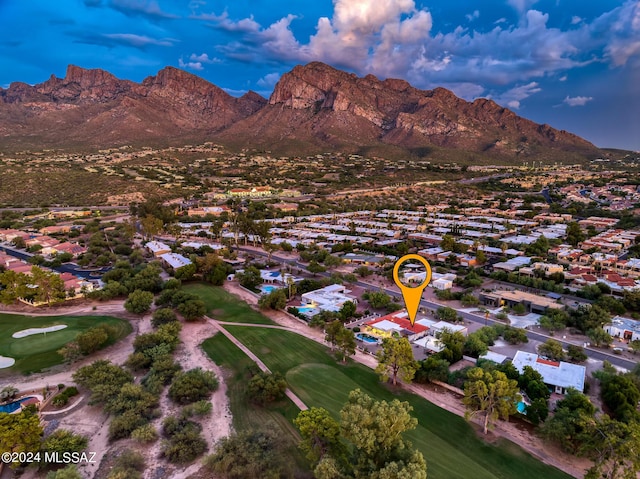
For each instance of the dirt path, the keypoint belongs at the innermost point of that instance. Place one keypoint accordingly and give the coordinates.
(215, 426)
(546, 453)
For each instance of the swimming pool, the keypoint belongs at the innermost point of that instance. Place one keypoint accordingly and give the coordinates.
(305, 309)
(522, 408)
(267, 288)
(14, 406)
(366, 338)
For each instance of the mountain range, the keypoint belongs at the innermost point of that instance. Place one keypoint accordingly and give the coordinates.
(313, 108)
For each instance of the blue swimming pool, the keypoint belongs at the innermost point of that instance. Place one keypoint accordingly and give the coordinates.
(522, 408)
(267, 288)
(305, 309)
(366, 338)
(13, 406)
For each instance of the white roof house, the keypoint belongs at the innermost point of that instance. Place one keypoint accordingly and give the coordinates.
(558, 374)
(623, 328)
(329, 298)
(430, 343)
(442, 325)
(175, 260)
(158, 248)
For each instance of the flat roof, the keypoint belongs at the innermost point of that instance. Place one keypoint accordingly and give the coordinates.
(561, 374)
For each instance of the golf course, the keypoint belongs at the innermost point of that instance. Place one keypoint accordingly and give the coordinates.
(38, 350)
(451, 447)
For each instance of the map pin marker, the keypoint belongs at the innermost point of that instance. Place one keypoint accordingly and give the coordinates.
(412, 295)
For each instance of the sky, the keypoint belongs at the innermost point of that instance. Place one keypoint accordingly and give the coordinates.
(573, 64)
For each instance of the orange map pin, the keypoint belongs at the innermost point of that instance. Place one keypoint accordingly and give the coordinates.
(412, 295)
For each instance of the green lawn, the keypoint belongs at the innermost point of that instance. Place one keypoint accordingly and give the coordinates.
(224, 306)
(449, 444)
(39, 351)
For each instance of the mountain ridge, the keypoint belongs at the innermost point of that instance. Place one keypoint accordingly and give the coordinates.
(312, 107)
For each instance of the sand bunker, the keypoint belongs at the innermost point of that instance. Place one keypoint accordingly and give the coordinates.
(6, 362)
(28, 332)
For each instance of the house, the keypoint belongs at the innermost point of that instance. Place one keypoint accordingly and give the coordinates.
(397, 322)
(557, 374)
(624, 328)
(330, 298)
(174, 260)
(158, 248)
(495, 357)
(430, 344)
(532, 302)
(440, 326)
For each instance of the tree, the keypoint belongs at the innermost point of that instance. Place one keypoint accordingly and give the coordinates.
(249, 278)
(139, 302)
(276, 299)
(363, 271)
(20, 432)
(151, 226)
(621, 396)
(186, 272)
(515, 335)
(266, 387)
(378, 299)
(68, 472)
(347, 310)
(575, 234)
(453, 343)
(448, 243)
(193, 385)
(395, 359)
(537, 411)
(247, 454)
(163, 316)
(320, 435)
(552, 350)
(613, 447)
(341, 338)
(62, 440)
(599, 337)
(481, 257)
(572, 421)
(491, 394)
(432, 369)
(375, 429)
(531, 382)
(576, 354)
(49, 286)
(192, 309)
(315, 268)
(554, 319)
(92, 340)
(445, 313)
(332, 261)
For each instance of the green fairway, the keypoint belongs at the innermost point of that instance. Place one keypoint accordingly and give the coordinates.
(448, 442)
(39, 351)
(224, 306)
(276, 418)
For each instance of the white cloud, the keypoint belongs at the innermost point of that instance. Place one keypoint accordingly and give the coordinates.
(563, 78)
(269, 80)
(190, 65)
(397, 39)
(577, 100)
(473, 16)
(138, 41)
(521, 5)
(203, 58)
(514, 96)
(575, 20)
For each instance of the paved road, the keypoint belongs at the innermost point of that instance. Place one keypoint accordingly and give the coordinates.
(64, 268)
(538, 336)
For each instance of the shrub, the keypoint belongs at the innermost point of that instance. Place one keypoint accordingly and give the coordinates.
(193, 385)
(145, 434)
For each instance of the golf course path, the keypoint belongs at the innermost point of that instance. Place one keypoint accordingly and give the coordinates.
(263, 367)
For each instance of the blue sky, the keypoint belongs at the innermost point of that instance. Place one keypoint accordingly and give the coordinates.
(573, 64)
